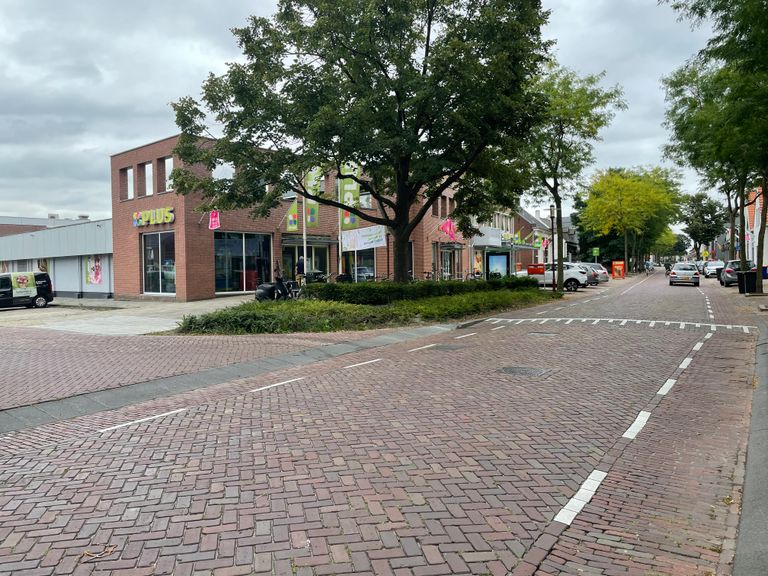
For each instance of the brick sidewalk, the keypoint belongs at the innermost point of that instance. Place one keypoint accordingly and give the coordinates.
(41, 365)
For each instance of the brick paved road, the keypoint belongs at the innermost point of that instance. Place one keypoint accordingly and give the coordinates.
(449, 459)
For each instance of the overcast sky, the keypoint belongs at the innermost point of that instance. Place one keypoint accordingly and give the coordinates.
(80, 81)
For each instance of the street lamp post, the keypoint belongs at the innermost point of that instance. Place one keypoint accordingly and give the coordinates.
(552, 243)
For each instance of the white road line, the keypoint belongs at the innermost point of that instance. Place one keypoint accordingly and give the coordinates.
(666, 387)
(708, 335)
(559, 307)
(520, 322)
(465, 336)
(494, 329)
(430, 345)
(569, 320)
(652, 324)
(363, 363)
(698, 346)
(596, 321)
(746, 330)
(685, 363)
(633, 287)
(581, 498)
(623, 322)
(496, 321)
(542, 312)
(682, 325)
(278, 384)
(147, 419)
(544, 321)
(637, 425)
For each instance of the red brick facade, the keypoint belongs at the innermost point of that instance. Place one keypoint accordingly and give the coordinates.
(194, 242)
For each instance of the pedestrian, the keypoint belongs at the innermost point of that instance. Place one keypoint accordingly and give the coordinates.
(300, 271)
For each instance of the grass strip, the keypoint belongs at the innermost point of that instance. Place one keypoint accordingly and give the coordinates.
(325, 316)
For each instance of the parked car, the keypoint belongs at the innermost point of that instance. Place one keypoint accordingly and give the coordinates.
(592, 279)
(364, 274)
(25, 289)
(711, 266)
(573, 276)
(684, 273)
(728, 276)
(602, 273)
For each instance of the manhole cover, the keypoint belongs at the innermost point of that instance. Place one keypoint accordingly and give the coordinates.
(524, 371)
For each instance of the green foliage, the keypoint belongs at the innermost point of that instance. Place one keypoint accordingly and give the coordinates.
(704, 219)
(561, 146)
(326, 316)
(638, 202)
(422, 94)
(387, 292)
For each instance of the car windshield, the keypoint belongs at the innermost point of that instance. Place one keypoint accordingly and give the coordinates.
(685, 267)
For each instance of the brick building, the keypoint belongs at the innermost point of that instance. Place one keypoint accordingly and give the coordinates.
(164, 248)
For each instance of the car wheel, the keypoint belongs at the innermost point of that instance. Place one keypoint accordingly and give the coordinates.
(696, 284)
(571, 285)
(41, 302)
(671, 283)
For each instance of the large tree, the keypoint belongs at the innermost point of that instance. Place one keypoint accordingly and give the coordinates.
(638, 204)
(561, 147)
(739, 44)
(704, 219)
(424, 95)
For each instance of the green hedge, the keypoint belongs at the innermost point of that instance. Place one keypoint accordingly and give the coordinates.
(325, 316)
(378, 293)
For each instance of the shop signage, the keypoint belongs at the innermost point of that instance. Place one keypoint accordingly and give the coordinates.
(152, 217)
(364, 238)
(595, 251)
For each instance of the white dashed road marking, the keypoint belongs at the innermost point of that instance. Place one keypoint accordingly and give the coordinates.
(667, 387)
(147, 419)
(465, 335)
(581, 498)
(685, 363)
(430, 345)
(637, 425)
(363, 363)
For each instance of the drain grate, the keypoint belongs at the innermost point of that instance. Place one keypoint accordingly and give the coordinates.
(525, 371)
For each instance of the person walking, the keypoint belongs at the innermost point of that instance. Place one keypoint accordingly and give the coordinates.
(300, 271)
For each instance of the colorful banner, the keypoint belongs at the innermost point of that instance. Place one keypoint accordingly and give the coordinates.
(312, 213)
(449, 228)
(93, 269)
(152, 217)
(349, 190)
(292, 220)
(213, 220)
(313, 181)
(364, 238)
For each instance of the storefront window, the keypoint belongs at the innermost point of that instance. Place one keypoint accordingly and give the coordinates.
(241, 261)
(159, 252)
(317, 260)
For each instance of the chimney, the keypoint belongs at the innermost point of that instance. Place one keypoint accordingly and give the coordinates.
(53, 216)
(82, 216)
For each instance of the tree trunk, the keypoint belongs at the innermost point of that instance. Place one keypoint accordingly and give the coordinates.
(400, 239)
(731, 227)
(761, 236)
(626, 249)
(559, 252)
(742, 225)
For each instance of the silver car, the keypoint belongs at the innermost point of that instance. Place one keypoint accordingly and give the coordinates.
(684, 273)
(711, 266)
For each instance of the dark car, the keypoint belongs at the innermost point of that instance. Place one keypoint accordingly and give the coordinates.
(728, 276)
(25, 289)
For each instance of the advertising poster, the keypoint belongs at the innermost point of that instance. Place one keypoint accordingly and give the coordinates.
(23, 284)
(42, 264)
(93, 269)
(497, 264)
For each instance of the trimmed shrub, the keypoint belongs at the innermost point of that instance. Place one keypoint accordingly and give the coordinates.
(327, 316)
(377, 293)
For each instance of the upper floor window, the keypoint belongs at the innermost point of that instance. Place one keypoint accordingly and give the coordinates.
(146, 179)
(166, 165)
(126, 184)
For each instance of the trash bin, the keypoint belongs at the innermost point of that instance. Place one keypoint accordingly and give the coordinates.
(717, 272)
(747, 281)
(765, 272)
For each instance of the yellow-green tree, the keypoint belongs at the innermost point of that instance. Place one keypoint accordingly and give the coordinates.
(640, 203)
